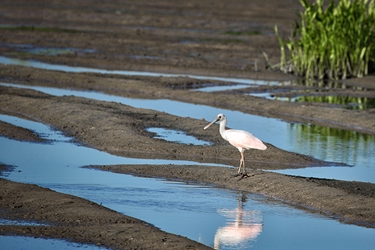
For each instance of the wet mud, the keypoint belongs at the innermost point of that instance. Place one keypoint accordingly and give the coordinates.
(170, 37)
(79, 220)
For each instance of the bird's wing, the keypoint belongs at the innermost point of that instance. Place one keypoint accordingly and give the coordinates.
(243, 139)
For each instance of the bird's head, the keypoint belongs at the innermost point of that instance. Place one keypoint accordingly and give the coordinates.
(219, 117)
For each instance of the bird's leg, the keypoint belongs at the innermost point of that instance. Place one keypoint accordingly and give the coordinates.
(242, 163)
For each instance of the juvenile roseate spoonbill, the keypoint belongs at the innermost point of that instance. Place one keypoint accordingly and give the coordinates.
(238, 138)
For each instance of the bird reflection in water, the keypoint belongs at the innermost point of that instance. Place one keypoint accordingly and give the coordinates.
(242, 225)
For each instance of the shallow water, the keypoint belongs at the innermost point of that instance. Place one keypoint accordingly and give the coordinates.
(340, 101)
(221, 88)
(212, 216)
(255, 83)
(61, 147)
(6, 222)
(25, 243)
(329, 144)
(344, 102)
(50, 51)
(176, 136)
(71, 69)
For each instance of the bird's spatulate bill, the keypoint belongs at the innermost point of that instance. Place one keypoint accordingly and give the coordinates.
(210, 124)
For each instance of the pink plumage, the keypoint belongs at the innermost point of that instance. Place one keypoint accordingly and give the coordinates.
(243, 139)
(238, 138)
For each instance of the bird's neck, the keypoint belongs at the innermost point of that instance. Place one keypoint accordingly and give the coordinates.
(222, 128)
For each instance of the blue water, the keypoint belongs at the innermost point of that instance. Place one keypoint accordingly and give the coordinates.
(5, 222)
(61, 148)
(176, 136)
(329, 144)
(224, 219)
(71, 69)
(31, 243)
(223, 88)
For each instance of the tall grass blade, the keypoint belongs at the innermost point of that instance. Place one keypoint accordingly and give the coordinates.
(331, 41)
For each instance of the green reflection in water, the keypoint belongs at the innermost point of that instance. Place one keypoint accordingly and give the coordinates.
(347, 102)
(334, 144)
(344, 101)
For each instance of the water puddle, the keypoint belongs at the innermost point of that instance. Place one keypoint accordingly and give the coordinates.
(221, 88)
(176, 136)
(25, 49)
(6, 222)
(64, 149)
(268, 95)
(331, 94)
(225, 219)
(346, 174)
(296, 95)
(25, 243)
(44, 131)
(340, 101)
(254, 84)
(71, 69)
(329, 144)
(345, 102)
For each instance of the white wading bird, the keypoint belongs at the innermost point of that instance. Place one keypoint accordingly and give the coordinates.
(238, 138)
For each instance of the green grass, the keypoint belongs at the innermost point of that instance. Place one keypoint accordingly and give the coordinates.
(331, 41)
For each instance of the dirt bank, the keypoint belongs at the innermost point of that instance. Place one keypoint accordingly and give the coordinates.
(79, 220)
(120, 130)
(178, 88)
(350, 202)
(189, 37)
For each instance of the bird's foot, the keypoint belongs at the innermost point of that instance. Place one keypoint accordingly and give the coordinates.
(242, 175)
(238, 174)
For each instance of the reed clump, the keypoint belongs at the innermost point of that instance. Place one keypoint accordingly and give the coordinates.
(335, 42)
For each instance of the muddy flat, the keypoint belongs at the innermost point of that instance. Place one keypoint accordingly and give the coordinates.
(181, 37)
